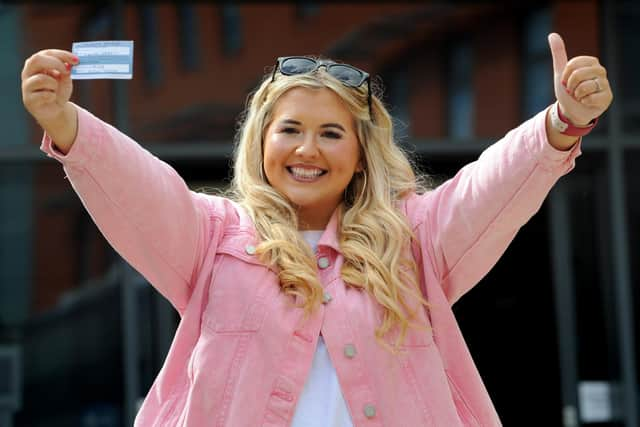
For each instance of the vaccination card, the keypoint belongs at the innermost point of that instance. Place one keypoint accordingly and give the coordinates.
(111, 59)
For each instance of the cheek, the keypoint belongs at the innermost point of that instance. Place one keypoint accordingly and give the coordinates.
(349, 158)
(273, 157)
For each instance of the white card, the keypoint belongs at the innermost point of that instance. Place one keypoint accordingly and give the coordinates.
(111, 59)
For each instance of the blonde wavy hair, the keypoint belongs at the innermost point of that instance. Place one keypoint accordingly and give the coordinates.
(374, 236)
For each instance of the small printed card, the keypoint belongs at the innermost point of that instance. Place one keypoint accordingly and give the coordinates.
(103, 60)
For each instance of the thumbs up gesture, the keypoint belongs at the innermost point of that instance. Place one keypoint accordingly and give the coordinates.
(581, 86)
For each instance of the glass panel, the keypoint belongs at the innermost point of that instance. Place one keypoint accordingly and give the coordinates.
(150, 45)
(632, 178)
(460, 91)
(596, 324)
(307, 8)
(537, 26)
(231, 28)
(16, 240)
(5, 376)
(537, 67)
(627, 18)
(99, 24)
(189, 36)
(396, 80)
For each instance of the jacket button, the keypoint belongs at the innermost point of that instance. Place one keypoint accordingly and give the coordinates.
(369, 411)
(326, 298)
(323, 262)
(250, 249)
(350, 350)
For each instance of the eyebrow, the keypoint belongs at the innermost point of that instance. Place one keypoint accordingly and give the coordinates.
(326, 125)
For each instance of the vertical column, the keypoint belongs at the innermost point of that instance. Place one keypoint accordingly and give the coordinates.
(620, 252)
(564, 291)
(16, 180)
(128, 293)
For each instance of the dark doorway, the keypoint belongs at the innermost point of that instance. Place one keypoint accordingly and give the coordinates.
(509, 321)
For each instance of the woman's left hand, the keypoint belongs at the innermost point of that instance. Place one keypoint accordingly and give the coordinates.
(581, 85)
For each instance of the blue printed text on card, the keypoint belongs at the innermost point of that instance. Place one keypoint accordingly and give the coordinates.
(103, 60)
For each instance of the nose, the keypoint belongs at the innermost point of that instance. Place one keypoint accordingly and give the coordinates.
(308, 148)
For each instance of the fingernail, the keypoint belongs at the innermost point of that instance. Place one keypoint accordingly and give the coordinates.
(75, 59)
(68, 66)
(564, 83)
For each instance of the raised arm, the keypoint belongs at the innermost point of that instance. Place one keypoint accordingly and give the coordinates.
(466, 224)
(140, 204)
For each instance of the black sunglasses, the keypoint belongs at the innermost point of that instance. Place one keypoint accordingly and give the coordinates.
(347, 74)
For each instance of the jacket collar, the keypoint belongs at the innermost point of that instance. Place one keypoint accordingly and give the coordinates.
(330, 236)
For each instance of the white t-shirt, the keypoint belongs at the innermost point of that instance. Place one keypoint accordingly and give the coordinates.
(321, 403)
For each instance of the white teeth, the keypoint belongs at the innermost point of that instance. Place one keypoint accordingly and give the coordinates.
(306, 173)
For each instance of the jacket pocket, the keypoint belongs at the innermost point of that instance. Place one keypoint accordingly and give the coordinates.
(417, 336)
(464, 411)
(239, 295)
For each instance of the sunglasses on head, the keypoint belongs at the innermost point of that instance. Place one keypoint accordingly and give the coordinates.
(347, 74)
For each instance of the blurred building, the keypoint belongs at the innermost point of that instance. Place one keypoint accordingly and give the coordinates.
(552, 326)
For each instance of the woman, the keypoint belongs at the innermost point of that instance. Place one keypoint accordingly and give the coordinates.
(319, 291)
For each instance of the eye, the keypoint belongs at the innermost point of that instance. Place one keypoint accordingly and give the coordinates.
(289, 130)
(331, 134)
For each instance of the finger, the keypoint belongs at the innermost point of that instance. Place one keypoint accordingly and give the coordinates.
(597, 100)
(579, 62)
(63, 55)
(54, 73)
(39, 99)
(587, 87)
(43, 65)
(558, 52)
(41, 62)
(583, 74)
(40, 82)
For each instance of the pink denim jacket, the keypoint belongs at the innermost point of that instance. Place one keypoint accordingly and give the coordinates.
(242, 352)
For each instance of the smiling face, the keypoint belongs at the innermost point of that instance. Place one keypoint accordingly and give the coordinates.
(311, 152)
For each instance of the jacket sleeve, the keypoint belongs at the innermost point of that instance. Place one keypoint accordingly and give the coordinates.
(141, 205)
(465, 225)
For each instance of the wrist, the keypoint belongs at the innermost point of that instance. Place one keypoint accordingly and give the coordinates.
(63, 128)
(572, 120)
(566, 126)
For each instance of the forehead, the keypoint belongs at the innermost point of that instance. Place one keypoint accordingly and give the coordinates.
(309, 104)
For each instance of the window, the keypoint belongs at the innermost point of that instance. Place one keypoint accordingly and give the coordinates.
(231, 29)
(460, 103)
(188, 36)
(397, 99)
(632, 175)
(537, 63)
(627, 17)
(150, 45)
(307, 8)
(99, 26)
(16, 180)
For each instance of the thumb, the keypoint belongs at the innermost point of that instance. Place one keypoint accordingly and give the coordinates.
(558, 53)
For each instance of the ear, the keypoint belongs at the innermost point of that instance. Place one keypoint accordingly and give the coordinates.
(359, 167)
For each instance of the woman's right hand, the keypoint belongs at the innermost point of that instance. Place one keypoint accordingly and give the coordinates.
(46, 90)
